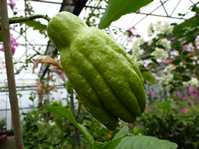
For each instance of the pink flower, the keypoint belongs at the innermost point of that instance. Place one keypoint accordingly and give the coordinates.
(146, 63)
(185, 97)
(1, 46)
(193, 91)
(181, 96)
(152, 93)
(12, 4)
(188, 47)
(197, 42)
(178, 94)
(184, 110)
(13, 43)
(167, 61)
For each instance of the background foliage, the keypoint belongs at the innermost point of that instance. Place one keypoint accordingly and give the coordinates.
(171, 120)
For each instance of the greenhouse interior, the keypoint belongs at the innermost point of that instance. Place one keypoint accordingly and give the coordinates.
(99, 74)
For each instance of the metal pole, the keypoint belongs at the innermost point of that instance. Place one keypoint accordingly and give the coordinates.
(4, 29)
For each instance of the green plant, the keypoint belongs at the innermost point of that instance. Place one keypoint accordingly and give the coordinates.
(118, 8)
(171, 120)
(121, 140)
(99, 70)
(40, 131)
(2, 124)
(53, 125)
(171, 53)
(39, 123)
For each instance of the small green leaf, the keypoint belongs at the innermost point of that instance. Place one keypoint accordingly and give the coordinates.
(148, 76)
(37, 25)
(87, 135)
(141, 142)
(188, 29)
(112, 144)
(117, 8)
(60, 111)
(124, 131)
(64, 112)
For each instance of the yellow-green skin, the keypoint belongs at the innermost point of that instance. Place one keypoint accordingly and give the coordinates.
(108, 83)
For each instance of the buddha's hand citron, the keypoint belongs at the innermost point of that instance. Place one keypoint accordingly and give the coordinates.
(107, 82)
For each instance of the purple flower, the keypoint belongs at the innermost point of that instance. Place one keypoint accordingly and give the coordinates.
(12, 4)
(193, 91)
(178, 94)
(1, 46)
(184, 97)
(188, 47)
(152, 93)
(13, 44)
(184, 110)
(181, 96)
(197, 42)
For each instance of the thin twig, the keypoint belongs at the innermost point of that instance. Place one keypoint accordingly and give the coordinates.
(25, 19)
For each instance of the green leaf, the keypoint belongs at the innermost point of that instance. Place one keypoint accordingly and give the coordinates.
(117, 8)
(112, 144)
(187, 30)
(124, 131)
(148, 76)
(87, 135)
(64, 112)
(195, 8)
(141, 142)
(37, 25)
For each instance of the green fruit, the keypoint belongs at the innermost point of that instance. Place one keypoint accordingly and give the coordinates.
(108, 83)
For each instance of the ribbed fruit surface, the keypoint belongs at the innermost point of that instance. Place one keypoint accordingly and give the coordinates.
(108, 83)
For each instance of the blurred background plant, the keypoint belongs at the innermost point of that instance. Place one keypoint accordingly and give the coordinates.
(172, 120)
(171, 53)
(42, 130)
(2, 125)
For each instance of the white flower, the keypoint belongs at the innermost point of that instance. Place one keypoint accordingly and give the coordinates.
(136, 50)
(166, 78)
(192, 82)
(160, 54)
(51, 123)
(188, 47)
(197, 42)
(159, 27)
(169, 68)
(165, 43)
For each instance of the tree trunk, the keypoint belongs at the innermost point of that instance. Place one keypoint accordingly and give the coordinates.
(4, 28)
